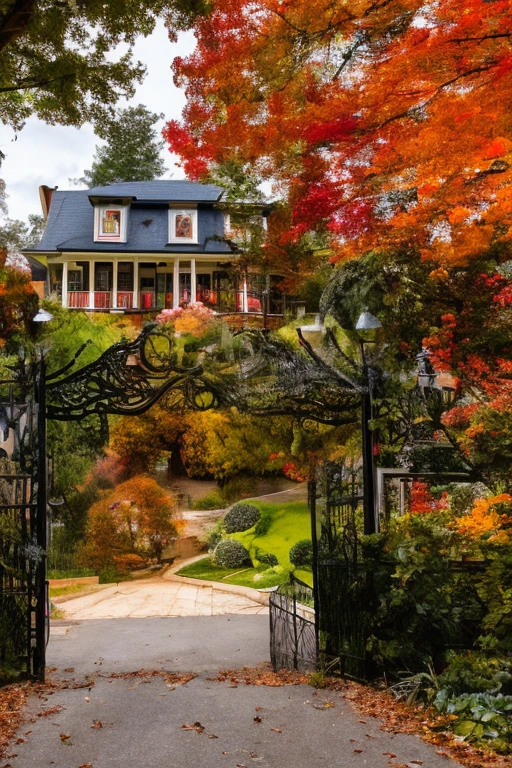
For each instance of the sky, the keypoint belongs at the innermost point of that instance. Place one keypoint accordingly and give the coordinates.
(50, 154)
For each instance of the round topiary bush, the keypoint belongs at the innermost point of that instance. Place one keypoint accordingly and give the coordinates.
(241, 517)
(302, 553)
(231, 554)
(268, 559)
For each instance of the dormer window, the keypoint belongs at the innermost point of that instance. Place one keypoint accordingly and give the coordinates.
(110, 223)
(183, 225)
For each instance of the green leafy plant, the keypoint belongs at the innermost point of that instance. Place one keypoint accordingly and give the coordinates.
(267, 558)
(302, 553)
(241, 517)
(231, 554)
(212, 500)
(476, 672)
(481, 718)
(423, 686)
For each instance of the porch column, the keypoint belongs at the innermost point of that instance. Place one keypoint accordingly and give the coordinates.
(91, 283)
(135, 303)
(193, 282)
(115, 265)
(245, 303)
(176, 284)
(64, 297)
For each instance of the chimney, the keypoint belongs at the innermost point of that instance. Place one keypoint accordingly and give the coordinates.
(45, 195)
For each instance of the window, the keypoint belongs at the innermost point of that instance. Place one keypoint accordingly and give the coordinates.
(110, 223)
(182, 226)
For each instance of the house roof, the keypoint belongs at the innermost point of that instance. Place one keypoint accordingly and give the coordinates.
(165, 191)
(70, 223)
(37, 270)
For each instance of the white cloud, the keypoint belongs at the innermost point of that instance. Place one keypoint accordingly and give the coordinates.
(48, 154)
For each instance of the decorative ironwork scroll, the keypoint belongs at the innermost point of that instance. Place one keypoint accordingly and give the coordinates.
(128, 379)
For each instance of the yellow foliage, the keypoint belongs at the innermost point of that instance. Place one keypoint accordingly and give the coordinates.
(483, 518)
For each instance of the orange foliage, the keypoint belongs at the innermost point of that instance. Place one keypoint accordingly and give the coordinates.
(194, 320)
(484, 518)
(136, 517)
(388, 123)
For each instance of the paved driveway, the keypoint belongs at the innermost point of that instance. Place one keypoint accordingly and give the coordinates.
(105, 718)
(160, 597)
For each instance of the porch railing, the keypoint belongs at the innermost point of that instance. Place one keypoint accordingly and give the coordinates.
(224, 301)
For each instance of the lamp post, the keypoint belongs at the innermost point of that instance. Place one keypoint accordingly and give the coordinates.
(367, 322)
(42, 316)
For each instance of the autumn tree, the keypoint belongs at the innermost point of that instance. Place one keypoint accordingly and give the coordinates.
(18, 304)
(383, 123)
(132, 149)
(137, 517)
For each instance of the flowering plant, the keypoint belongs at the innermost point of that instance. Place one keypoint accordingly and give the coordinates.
(193, 320)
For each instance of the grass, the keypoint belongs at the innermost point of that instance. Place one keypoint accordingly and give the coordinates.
(279, 528)
(73, 573)
(261, 577)
(287, 524)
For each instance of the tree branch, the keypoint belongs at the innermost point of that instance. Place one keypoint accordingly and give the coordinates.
(15, 22)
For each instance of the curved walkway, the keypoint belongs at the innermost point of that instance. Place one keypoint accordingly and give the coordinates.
(168, 595)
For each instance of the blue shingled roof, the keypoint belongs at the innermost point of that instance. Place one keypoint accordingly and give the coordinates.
(172, 191)
(70, 225)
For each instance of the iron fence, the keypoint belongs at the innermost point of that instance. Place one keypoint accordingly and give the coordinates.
(292, 627)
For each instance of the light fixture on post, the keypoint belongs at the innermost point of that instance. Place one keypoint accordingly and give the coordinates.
(367, 322)
(42, 316)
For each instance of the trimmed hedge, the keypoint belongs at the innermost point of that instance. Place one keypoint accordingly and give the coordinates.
(302, 553)
(267, 558)
(231, 554)
(241, 517)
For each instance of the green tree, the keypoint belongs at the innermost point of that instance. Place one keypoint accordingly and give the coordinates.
(132, 151)
(55, 57)
(16, 234)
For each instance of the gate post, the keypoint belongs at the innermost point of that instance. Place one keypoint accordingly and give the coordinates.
(314, 541)
(41, 522)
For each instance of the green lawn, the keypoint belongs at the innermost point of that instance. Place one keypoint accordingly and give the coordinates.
(261, 577)
(289, 524)
(286, 524)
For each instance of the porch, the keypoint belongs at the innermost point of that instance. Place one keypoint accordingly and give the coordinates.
(144, 286)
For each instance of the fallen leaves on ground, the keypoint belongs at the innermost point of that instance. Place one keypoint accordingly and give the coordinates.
(144, 675)
(260, 676)
(428, 724)
(193, 727)
(97, 724)
(51, 711)
(12, 701)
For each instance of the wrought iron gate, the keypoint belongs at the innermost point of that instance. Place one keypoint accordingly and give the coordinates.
(292, 627)
(341, 582)
(23, 590)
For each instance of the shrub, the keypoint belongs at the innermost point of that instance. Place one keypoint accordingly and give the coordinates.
(264, 523)
(301, 553)
(109, 575)
(212, 500)
(231, 554)
(129, 562)
(212, 536)
(267, 558)
(241, 517)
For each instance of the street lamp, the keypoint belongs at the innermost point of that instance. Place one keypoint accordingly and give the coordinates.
(367, 322)
(42, 316)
